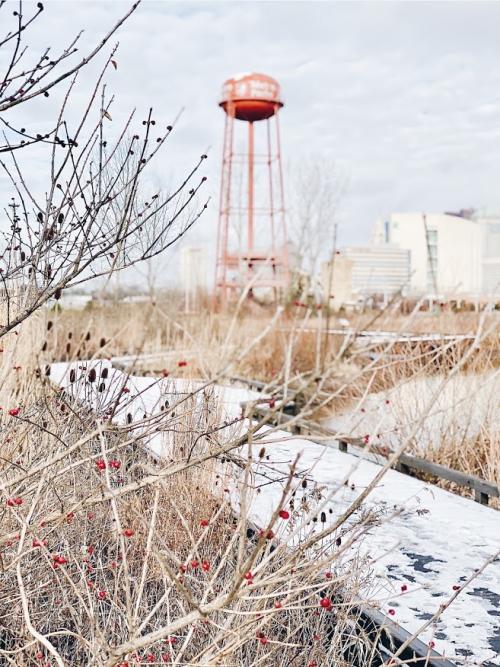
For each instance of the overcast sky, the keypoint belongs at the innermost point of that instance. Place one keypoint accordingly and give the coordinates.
(404, 97)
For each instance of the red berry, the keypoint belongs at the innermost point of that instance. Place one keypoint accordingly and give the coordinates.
(102, 595)
(150, 657)
(39, 543)
(194, 564)
(128, 532)
(249, 576)
(404, 588)
(11, 502)
(181, 364)
(456, 587)
(204, 522)
(391, 612)
(100, 464)
(284, 514)
(13, 412)
(205, 565)
(432, 644)
(59, 560)
(278, 604)
(39, 655)
(268, 534)
(326, 603)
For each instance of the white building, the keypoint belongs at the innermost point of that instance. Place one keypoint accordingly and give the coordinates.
(450, 253)
(193, 274)
(379, 269)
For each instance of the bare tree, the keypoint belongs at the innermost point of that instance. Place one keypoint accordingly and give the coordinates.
(317, 187)
(93, 217)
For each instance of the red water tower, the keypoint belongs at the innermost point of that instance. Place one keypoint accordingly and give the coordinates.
(252, 248)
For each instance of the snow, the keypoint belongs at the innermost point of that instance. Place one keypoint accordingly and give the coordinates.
(467, 405)
(427, 538)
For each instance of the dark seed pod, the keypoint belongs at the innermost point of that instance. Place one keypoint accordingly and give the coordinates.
(49, 325)
(57, 294)
(304, 483)
(102, 342)
(323, 517)
(47, 370)
(104, 373)
(68, 348)
(87, 335)
(102, 387)
(129, 418)
(72, 375)
(262, 452)
(70, 335)
(44, 346)
(92, 375)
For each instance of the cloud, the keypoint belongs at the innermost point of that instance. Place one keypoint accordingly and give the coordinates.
(402, 95)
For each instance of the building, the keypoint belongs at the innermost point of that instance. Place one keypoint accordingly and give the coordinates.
(490, 256)
(379, 270)
(336, 281)
(358, 273)
(193, 274)
(450, 253)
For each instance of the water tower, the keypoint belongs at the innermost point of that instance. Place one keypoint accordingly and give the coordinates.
(251, 239)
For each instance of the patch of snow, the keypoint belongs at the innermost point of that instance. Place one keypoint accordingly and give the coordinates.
(467, 405)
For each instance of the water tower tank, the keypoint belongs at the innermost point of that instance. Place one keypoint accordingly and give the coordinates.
(251, 97)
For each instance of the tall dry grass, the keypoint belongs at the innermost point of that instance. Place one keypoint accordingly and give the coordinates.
(295, 340)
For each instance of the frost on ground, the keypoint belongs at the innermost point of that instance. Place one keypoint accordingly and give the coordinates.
(424, 542)
(467, 405)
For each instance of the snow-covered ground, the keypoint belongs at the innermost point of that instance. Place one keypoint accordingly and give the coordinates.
(428, 539)
(465, 406)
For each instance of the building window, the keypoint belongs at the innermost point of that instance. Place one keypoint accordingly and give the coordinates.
(432, 259)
